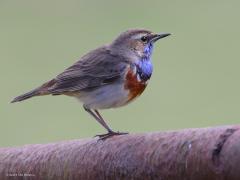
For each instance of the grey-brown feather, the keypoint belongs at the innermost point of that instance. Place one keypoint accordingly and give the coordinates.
(97, 68)
(103, 66)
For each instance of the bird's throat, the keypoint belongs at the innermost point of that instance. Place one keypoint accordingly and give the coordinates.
(144, 69)
(144, 64)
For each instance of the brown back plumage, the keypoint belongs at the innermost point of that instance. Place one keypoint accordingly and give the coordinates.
(97, 68)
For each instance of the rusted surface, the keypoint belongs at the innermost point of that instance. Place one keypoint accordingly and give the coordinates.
(191, 154)
(220, 143)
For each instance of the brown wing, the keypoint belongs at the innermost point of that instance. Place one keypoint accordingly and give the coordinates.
(95, 69)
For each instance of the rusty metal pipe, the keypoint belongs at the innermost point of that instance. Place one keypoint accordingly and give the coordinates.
(191, 154)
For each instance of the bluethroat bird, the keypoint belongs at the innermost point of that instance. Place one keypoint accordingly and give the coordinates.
(108, 77)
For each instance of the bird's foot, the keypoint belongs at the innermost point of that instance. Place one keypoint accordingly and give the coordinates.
(110, 134)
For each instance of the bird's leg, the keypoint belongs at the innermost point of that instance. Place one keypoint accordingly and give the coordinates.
(99, 118)
(110, 133)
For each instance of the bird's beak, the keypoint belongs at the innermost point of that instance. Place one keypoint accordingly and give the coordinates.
(156, 37)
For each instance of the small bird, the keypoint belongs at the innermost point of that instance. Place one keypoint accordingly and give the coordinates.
(108, 77)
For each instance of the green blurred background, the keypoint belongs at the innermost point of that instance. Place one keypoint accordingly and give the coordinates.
(196, 70)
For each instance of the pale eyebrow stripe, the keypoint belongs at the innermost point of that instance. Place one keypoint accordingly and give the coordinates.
(138, 36)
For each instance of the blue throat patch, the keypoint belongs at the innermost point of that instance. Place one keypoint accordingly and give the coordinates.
(144, 65)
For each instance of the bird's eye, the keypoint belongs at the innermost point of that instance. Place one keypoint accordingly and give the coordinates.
(144, 39)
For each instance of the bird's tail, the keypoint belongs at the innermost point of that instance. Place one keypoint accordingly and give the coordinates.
(42, 90)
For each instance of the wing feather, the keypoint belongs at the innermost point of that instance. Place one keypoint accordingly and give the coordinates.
(97, 68)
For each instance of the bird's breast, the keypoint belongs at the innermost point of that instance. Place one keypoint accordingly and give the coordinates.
(136, 81)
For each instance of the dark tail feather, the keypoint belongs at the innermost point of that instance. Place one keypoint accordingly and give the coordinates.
(42, 90)
(25, 96)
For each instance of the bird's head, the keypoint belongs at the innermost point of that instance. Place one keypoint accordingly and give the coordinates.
(138, 42)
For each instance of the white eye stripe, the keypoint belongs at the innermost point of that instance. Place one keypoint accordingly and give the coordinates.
(138, 36)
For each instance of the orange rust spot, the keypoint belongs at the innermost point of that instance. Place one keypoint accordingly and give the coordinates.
(134, 86)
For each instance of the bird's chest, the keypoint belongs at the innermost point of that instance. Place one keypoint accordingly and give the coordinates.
(137, 78)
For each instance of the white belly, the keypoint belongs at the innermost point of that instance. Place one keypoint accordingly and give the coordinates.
(109, 96)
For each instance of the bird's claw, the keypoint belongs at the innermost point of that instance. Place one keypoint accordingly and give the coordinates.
(110, 134)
